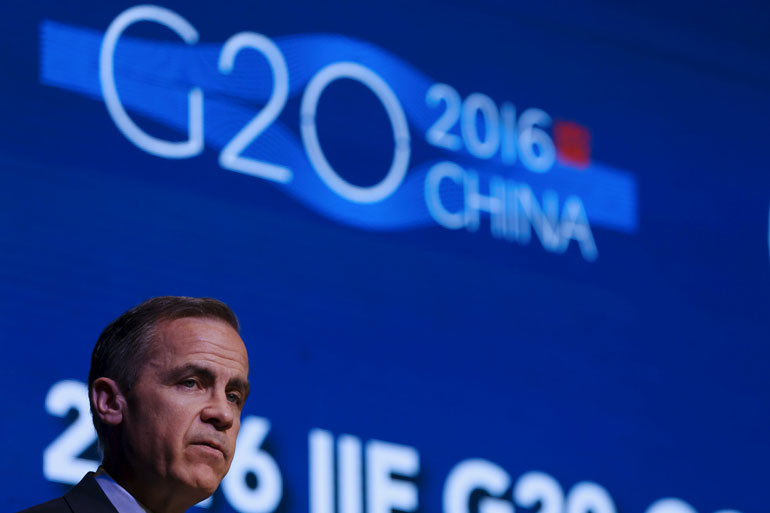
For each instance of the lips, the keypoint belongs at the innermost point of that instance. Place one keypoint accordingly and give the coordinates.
(214, 444)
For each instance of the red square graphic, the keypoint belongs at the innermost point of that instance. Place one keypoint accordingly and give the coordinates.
(573, 144)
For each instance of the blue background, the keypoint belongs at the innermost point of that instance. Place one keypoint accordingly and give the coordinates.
(644, 371)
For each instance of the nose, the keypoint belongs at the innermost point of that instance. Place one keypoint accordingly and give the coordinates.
(218, 412)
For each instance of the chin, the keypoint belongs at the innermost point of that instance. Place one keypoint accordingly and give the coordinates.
(207, 481)
(200, 482)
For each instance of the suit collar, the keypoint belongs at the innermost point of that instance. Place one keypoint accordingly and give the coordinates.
(88, 497)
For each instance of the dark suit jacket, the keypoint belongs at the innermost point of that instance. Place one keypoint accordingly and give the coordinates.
(85, 497)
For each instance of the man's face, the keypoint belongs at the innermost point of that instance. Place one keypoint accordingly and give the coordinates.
(183, 414)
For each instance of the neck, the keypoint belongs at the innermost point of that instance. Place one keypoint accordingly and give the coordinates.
(146, 487)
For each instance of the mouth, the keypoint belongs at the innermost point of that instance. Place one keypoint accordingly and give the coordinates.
(211, 445)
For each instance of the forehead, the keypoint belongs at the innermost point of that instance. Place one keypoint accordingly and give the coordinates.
(190, 339)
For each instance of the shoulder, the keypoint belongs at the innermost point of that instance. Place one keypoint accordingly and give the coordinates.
(85, 497)
(53, 506)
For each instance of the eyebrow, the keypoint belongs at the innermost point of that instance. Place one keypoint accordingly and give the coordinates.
(209, 375)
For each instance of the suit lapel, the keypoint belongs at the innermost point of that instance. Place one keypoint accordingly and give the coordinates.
(87, 497)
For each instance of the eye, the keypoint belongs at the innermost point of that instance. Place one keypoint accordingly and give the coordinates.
(189, 383)
(234, 398)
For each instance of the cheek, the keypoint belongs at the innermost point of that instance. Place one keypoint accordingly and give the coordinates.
(167, 428)
(233, 433)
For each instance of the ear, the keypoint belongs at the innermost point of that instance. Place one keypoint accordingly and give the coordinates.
(108, 401)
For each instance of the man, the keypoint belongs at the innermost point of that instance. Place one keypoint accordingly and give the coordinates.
(167, 384)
